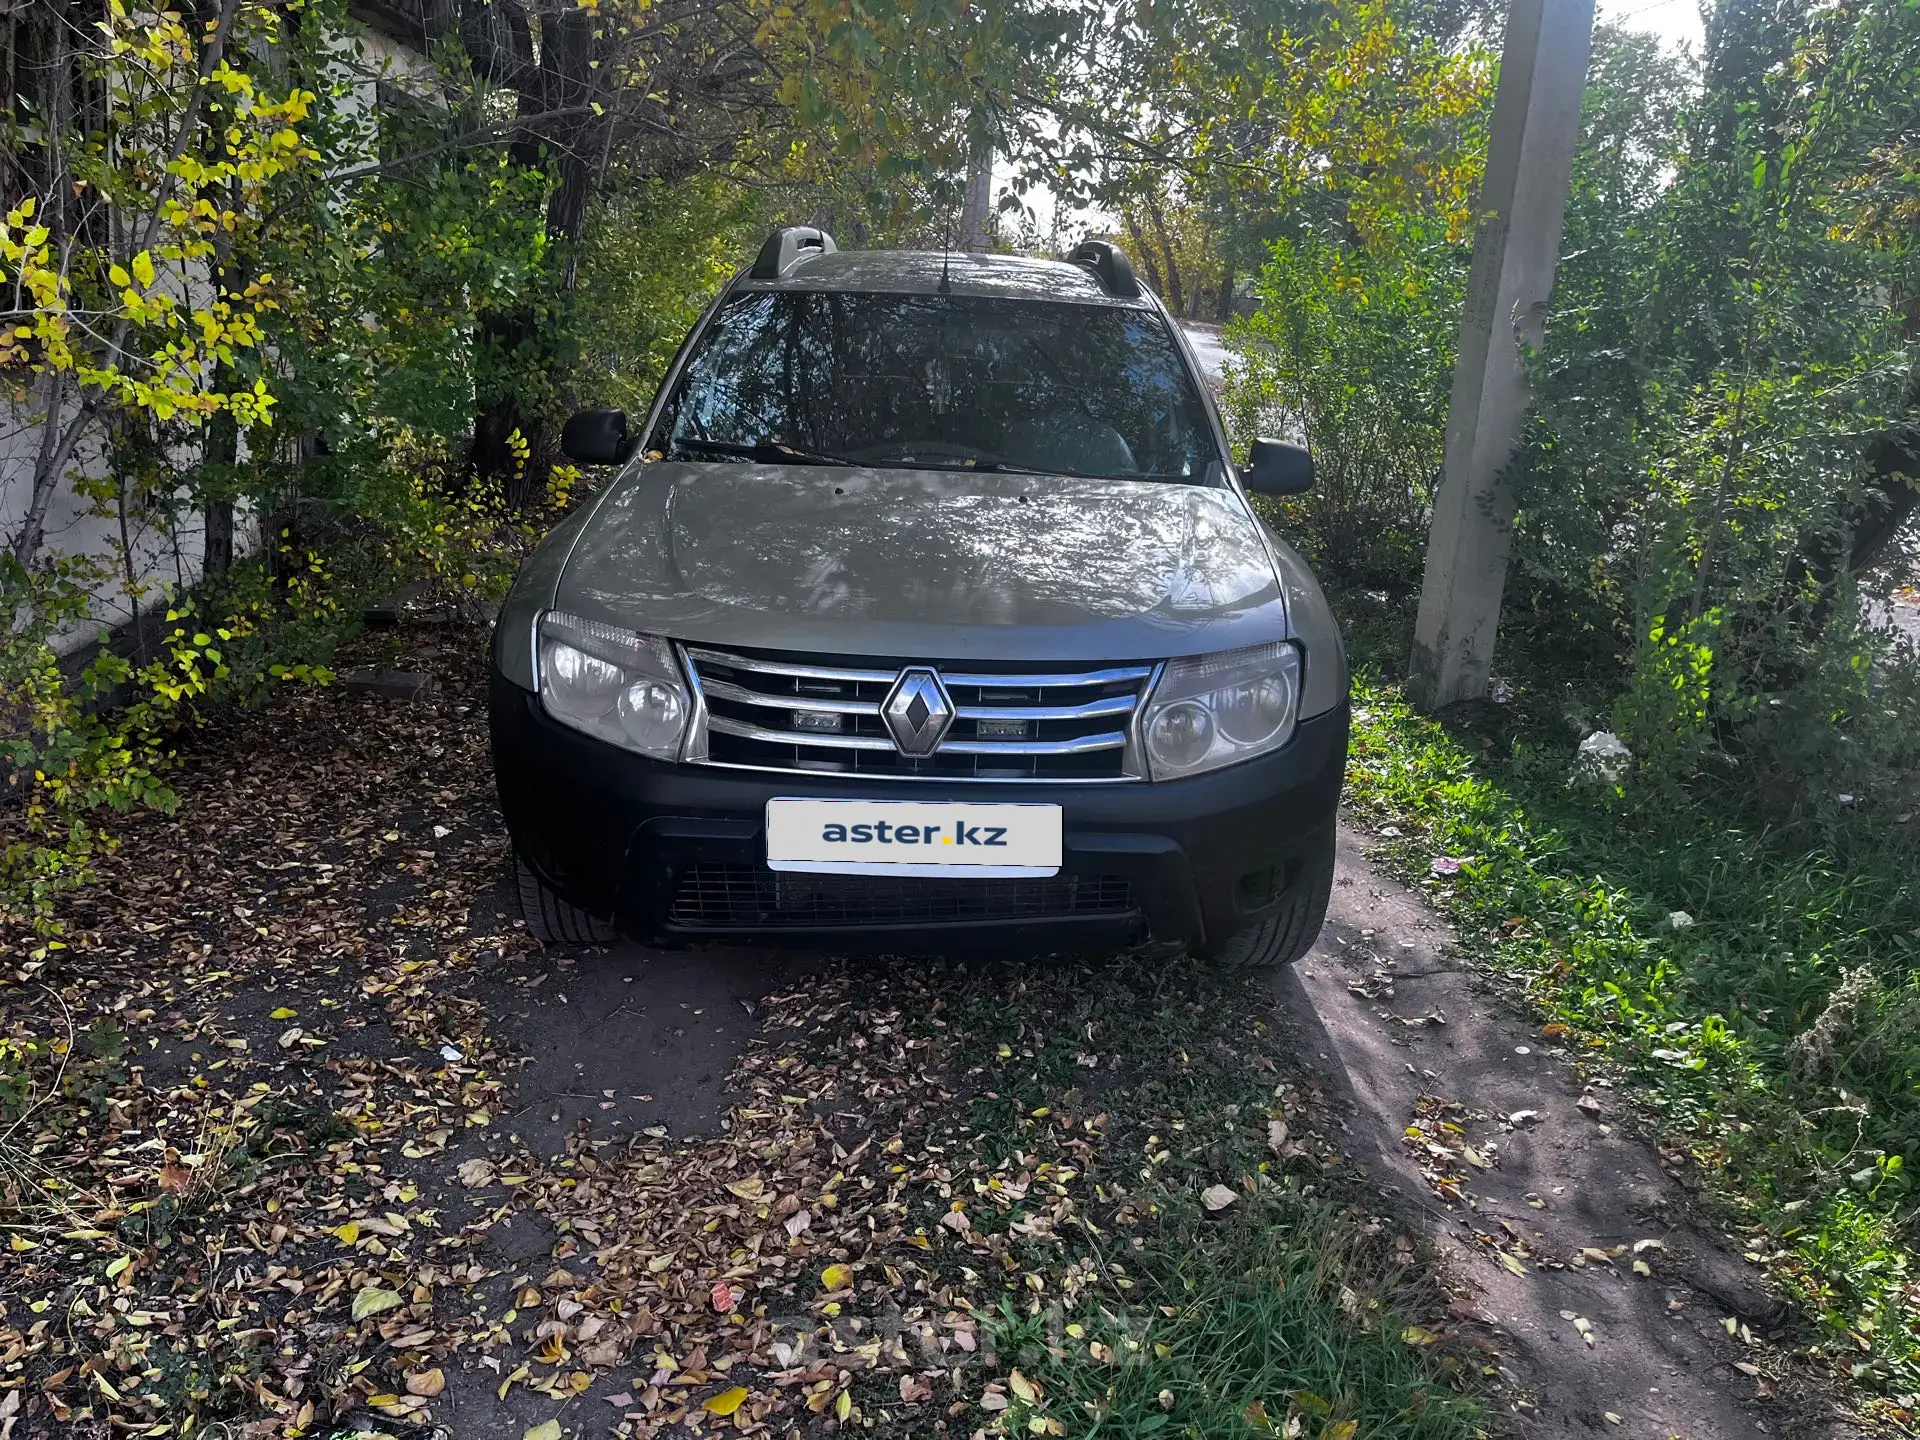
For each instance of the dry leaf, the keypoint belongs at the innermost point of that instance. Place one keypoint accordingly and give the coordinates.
(749, 1189)
(545, 1430)
(1218, 1197)
(1024, 1388)
(836, 1277)
(427, 1382)
(476, 1172)
(174, 1177)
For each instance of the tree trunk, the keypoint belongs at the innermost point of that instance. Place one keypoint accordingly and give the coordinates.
(1145, 254)
(221, 453)
(1166, 246)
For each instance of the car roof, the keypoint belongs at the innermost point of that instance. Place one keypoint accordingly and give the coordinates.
(921, 272)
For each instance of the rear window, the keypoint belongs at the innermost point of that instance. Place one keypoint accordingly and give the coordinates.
(941, 382)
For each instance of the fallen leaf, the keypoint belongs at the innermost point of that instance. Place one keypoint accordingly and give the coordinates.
(476, 1172)
(1341, 1430)
(726, 1402)
(373, 1301)
(283, 1013)
(1024, 1388)
(1512, 1264)
(750, 1188)
(1276, 1135)
(291, 1037)
(1166, 1399)
(1218, 1197)
(427, 1382)
(545, 1430)
(175, 1178)
(836, 1277)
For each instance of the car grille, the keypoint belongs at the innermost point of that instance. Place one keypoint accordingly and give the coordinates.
(1012, 722)
(715, 896)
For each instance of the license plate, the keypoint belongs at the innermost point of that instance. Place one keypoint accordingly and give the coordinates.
(912, 837)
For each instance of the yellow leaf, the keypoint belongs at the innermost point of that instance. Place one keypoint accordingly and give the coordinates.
(1512, 1264)
(843, 1407)
(143, 268)
(372, 1301)
(283, 1013)
(347, 1233)
(1340, 1430)
(545, 1430)
(726, 1402)
(121, 280)
(836, 1277)
(1024, 1388)
(18, 1242)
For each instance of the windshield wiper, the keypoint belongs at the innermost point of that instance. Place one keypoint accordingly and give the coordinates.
(771, 450)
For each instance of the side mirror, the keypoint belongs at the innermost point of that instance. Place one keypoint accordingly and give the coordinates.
(1278, 467)
(597, 437)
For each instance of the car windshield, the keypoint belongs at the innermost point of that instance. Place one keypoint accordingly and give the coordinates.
(948, 382)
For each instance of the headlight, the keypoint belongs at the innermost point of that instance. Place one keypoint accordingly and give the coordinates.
(1213, 710)
(613, 684)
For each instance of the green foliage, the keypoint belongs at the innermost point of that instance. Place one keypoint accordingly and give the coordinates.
(1721, 370)
(1351, 350)
(1771, 1033)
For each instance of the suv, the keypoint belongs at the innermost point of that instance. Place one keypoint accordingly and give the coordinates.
(926, 607)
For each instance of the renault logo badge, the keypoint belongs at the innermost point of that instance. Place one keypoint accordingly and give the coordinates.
(917, 712)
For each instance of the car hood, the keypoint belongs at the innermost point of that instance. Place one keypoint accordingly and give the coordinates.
(951, 564)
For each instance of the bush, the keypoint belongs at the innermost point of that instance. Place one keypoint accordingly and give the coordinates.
(1351, 351)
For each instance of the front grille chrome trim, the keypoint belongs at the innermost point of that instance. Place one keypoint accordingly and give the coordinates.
(721, 690)
(1092, 710)
(1052, 682)
(1082, 745)
(783, 667)
(1069, 726)
(722, 725)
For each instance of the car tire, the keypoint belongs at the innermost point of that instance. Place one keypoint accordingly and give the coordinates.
(1283, 936)
(552, 920)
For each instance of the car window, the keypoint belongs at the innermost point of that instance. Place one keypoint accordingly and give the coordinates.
(942, 381)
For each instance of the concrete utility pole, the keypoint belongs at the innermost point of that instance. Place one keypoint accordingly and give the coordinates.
(1536, 123)
(977, 203)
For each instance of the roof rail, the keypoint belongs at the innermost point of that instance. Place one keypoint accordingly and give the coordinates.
(1110, 263)
(787, 247)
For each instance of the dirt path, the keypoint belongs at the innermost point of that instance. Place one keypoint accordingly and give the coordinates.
(1541, 1197)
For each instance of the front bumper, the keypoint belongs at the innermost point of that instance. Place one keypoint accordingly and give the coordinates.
(631, 839)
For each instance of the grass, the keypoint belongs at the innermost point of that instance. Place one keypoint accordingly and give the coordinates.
(1754, 972)
(1144, 1313)
(1250, 1325)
